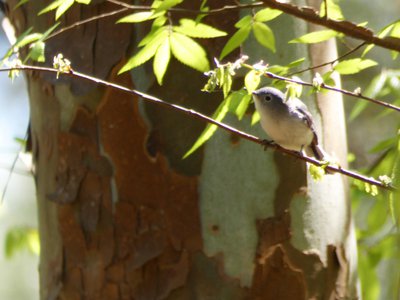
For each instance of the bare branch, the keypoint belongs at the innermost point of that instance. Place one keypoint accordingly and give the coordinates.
(349, 29)
(197, 115)
(88, 20)
(329, 62)
(328, 87)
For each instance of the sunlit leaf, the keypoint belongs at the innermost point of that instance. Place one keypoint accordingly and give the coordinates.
(210, 128)
(355, 65)
(334, 11)
(381, 34)
(396, 30)
(166, 4)
(189, 52)
(235, 100)
(51, 6)
(226, 81)
(384, 145)
(150, 36)
(367, 49)
(315, 37)
(161, 60)
(21, 238)
(190, 28)
(252, 81)
(83, 1)
(20, 3)
(255, 118)
(146, 52)
(243, 105)
(64, 6)
(296, 62)
(139, 17)
(37, 52)
(33, 37)
(264, 35)
(235, 41)
(243, 22)
(267, 14)
(395, 205)
(278, 69)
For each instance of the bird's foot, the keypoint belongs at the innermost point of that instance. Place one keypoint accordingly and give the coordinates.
(267, 144)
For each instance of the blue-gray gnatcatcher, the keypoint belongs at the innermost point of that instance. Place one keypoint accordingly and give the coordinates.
(287, 122)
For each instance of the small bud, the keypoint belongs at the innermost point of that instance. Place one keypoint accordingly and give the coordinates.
(357, 91)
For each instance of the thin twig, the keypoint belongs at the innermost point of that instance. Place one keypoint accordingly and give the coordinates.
(197, 115)
(3, 194)
(326, 9)
(94, 18)
(328, 87)
(222, 9)
(329, 62)
(349, 29)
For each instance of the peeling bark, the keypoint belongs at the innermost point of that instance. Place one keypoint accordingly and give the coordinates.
(122, 216)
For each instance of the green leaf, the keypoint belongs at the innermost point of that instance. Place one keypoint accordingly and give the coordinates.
(243, 105)
(243, 22)
(334, 11)
(315, 37)
(64, 6)
(267, 14)
(51, 6)
(20, 3)
(150, 36)
(139, 17)
(166, 4)
(188, 52)
(161, 60)
(264, 35)
(48, 31)
(30, 38)
(226, 81)
(255, 118)
(37, 52)
(83, 1)
(355, 65)
(296, 63)
(252, 81)
(235, 100)
(396, 30)
(146, 52)
(278, 69)
(381, 34)
(235, 41)
(210, 128)
(367, 49)
(20, 238)
(190, 28)
(395, 206)
(384, 145)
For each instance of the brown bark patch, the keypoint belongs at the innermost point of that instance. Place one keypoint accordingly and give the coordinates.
(278, 278)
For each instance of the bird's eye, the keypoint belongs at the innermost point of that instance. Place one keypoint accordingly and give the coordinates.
(268, 98)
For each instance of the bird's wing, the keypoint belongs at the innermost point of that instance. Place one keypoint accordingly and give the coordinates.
(306, 116)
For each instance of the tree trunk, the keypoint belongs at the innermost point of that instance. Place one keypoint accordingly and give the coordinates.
(122, 216)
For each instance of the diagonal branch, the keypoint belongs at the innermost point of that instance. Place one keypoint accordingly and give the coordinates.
(306, 13)
(348, 28)
(328, 62)
(204, 118)
(328, 87)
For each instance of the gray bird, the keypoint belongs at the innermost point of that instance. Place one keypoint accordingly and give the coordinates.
(287, 122)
